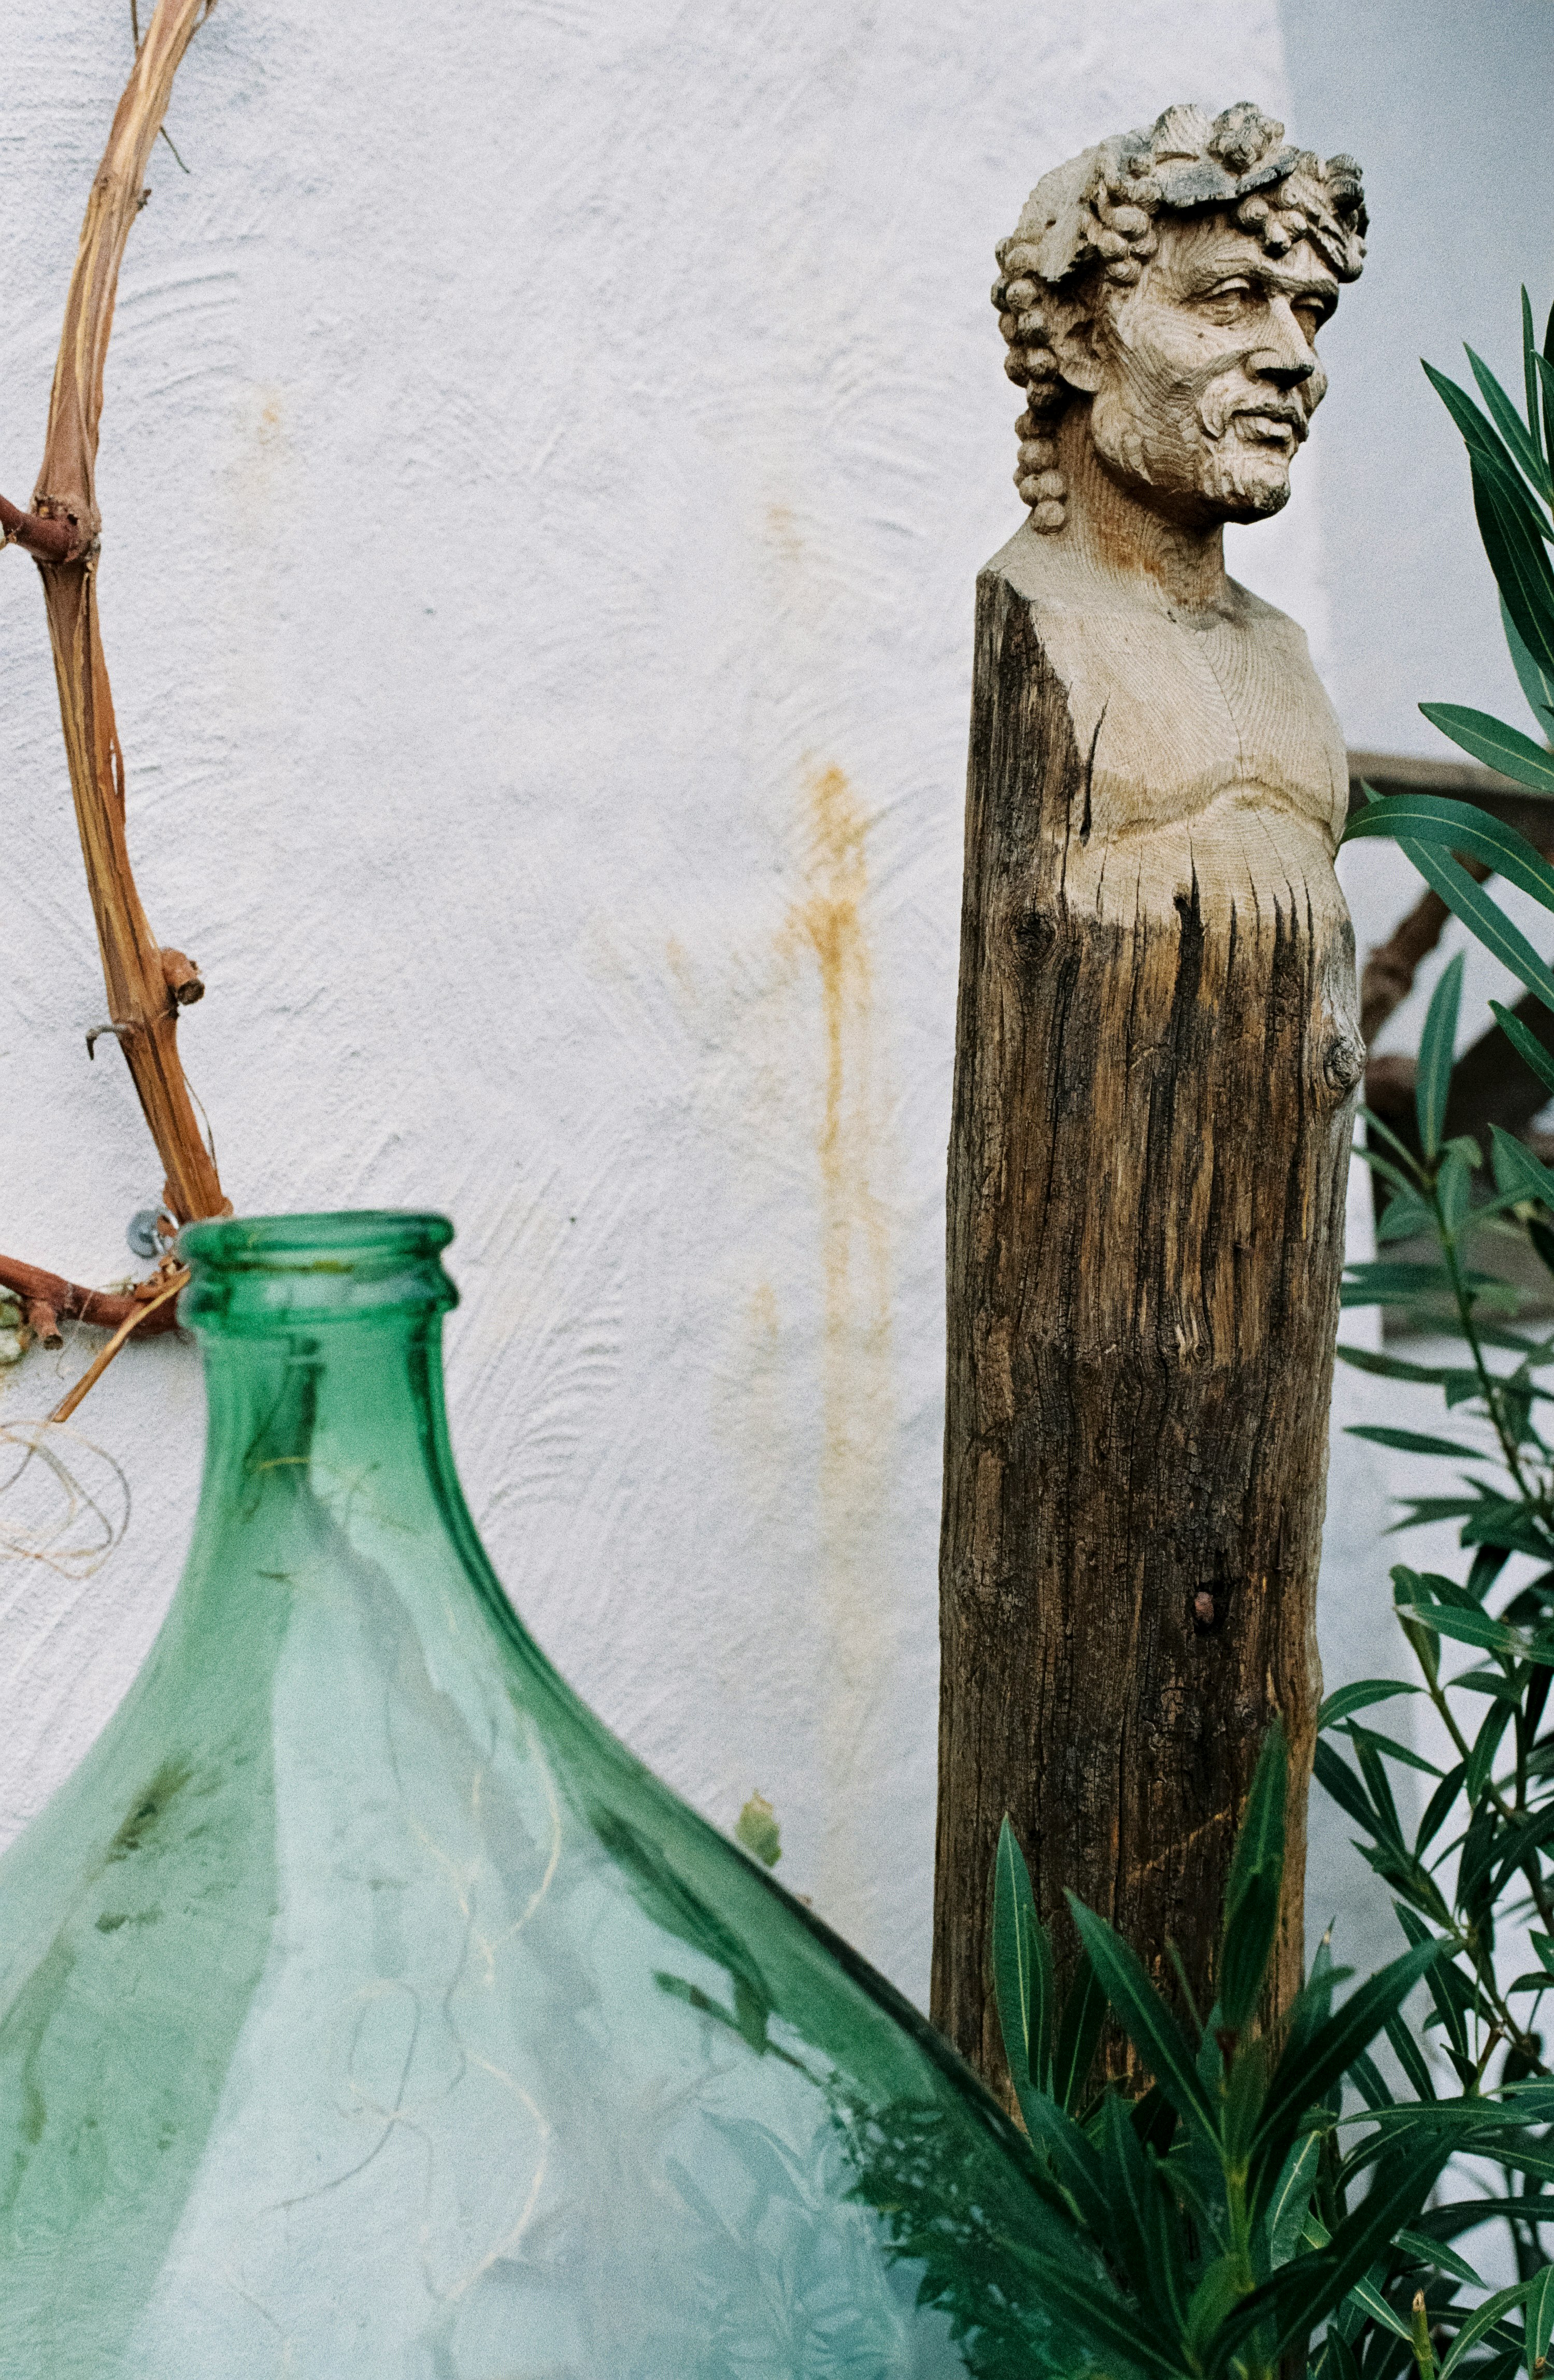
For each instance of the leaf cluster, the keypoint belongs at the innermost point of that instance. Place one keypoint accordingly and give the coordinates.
(1475, 1869)
(1217, 2223)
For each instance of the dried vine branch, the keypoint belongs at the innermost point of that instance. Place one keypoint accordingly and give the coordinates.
(47, 1300)
(141, 1004)
(146, 984)
(144, 1317)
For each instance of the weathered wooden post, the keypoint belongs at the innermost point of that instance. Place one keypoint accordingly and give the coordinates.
(1157, 1055)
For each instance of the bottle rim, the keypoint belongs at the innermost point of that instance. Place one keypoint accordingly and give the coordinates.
(251, 1272)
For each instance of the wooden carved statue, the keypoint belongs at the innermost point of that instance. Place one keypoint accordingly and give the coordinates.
(1157, 1049)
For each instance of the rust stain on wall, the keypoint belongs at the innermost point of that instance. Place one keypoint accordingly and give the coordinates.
(782, 529)
(680, 969)
(829, 925)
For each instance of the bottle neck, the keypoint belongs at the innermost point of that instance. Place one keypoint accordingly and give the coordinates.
(329, 1480)
(346, 1416)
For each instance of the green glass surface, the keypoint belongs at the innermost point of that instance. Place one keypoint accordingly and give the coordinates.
(368, 2012)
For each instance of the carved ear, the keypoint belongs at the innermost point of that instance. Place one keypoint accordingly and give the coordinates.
(1074, 344)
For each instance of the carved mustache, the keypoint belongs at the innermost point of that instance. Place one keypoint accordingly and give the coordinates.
(1223, 401)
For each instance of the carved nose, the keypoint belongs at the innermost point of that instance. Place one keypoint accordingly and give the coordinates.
(1284, 371)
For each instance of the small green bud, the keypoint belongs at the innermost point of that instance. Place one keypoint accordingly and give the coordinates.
(757, 1830)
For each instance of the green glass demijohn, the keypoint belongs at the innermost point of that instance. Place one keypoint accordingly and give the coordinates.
(367, 2011)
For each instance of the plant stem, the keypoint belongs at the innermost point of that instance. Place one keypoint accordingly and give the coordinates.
(1437, 1693)
(1486, 1381)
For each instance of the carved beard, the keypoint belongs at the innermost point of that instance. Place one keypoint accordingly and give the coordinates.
(1254, 433)
(1230, 456)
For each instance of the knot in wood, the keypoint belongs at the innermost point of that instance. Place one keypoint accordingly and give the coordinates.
(1344, 1062)
(1033, 934)
(182, 978)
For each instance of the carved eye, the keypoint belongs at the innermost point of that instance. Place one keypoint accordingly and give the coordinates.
(1227, 299)
(1311, 319)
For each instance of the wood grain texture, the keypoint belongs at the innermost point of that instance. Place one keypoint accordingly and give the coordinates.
(1157, 1053)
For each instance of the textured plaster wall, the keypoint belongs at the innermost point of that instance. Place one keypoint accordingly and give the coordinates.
(1445, 108)
(548, 453)
(1448, 106)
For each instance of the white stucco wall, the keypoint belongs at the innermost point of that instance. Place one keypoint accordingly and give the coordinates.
(1446, 107)
(547, 457)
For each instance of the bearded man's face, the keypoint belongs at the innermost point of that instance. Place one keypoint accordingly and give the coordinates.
(1206, 374)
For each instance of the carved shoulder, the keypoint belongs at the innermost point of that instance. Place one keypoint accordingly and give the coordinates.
(1182, 718)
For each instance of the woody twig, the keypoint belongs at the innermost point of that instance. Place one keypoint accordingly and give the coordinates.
(146, 984)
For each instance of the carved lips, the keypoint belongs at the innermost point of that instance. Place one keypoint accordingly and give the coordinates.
(1282, 426)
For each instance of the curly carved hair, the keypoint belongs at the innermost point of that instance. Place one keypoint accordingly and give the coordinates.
(1096, 215)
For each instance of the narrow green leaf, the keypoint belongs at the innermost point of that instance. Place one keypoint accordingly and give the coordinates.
(1078, 2032)
(1388, 1748)
(1366, 2075)
(1338, 2359)
(1411, 2057)
(1292, 2197)
(1380, 1785)
(1376, 1129)
(1344, 1701)
(1392, 1283)
(1438, 1808)
(1529, 372)
(1396, 1367)
(1484, 2319)
(1523, 448)
(1438, 1045)
(1165, 2249)
(1460, 826)
(1419, 1512)
(1526, 1043)
(1015, 1964)
(1304, 2297)
(1436, 2251)
(1518, 1169)
(1494, 743)
(1539, 2318)
(1071, 2158)
(1454, 1194)
(1406, 1216)
(1260, 1843)
(1373, 2306)
(1478, 1628)
(1440, 1977)
(1525, 2157)
(1252, 1891)
(1484, 919)
(1412, 1442)
(1513, 548)
(1456, 2216)
(1537, 683)
(1340, 1782)
(1489, 455)
(1492, 463)
(1298, 2082)
(1127, 2189)
(1487, 1743)
(1097, 2314)
(1148, 2022)
(1365, 1155)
